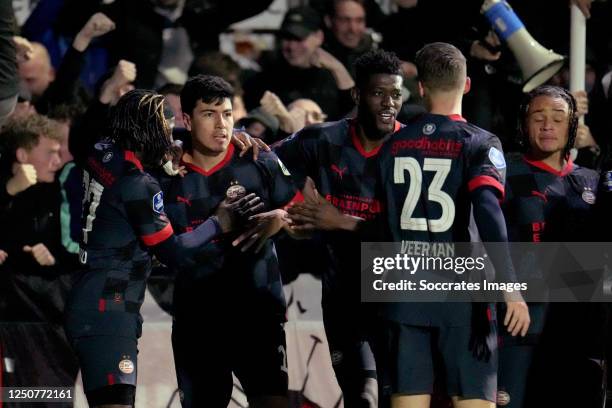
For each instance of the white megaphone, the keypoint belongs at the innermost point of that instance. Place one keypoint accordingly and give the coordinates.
(536, 62)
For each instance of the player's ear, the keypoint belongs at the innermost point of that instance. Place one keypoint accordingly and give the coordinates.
(21, 155)
(187, 121)
(355, 95)
(468, 85)
(421, 89)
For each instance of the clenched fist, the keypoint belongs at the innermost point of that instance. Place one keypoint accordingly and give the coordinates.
(24, 176)
(97, 25)
(118, 84)
(41, 254)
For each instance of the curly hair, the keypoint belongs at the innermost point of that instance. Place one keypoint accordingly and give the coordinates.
(138, 124)
(376, 62)
(552, 92)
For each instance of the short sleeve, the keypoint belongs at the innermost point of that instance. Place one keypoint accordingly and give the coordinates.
(487, 165)
(144, 204)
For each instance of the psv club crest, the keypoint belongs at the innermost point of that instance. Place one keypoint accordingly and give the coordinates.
(235, 191)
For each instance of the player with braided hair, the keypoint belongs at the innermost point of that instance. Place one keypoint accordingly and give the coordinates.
(548, 198)
(124, 221)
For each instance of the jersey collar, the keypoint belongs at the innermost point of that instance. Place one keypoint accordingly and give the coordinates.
(130, 156)
(228, 157)
(357, 142)
(457, 118)
(567, 169)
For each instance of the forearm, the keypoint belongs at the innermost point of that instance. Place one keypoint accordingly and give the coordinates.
(492, 229)
(343, 79)
(180, 251)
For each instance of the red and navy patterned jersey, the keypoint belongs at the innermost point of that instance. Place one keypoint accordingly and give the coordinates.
(123, 214)
(544, 204)
(232, 279)
(345, 174)
(428, 170)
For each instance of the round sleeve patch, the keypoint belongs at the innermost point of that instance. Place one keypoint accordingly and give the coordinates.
(497, 158)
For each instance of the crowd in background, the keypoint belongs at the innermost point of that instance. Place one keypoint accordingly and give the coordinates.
(68, 55)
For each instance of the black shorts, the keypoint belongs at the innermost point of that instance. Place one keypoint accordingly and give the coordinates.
(108, 368)
(254, 351)
(412, 359)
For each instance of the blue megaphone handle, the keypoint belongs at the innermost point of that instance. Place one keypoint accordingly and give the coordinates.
(504, 20)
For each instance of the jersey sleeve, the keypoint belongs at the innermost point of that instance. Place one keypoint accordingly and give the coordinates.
(299, 154)
(144, 204)
(282, 188)
(487, 165)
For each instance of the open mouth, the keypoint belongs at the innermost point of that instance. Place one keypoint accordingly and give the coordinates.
(386, 116)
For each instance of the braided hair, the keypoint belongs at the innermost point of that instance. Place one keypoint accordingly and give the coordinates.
(138, 124)
(552, 92)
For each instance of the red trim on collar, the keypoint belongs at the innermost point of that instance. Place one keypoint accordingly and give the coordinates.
(457, 118)
(228, 157)
(357, 141)
(543, 166)
(131, 157)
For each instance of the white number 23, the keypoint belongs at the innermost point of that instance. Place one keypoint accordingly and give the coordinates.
(434, 193)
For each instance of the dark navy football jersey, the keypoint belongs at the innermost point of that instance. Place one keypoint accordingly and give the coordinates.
(427, 172)
(345, 174)
(123, 215)
(544, 204)
(231, 280)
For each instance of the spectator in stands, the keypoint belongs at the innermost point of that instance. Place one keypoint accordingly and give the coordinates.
(37, 272)
(288, 120)
(349, 37)
(260, 124)
(49, 88)
(311, 110)
(303, 69)
(8, 61)
(162, 36)
(37, 73)
(172, 92)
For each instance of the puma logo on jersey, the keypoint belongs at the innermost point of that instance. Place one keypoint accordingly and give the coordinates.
(180, 199)
(540, 195)
(339, 171)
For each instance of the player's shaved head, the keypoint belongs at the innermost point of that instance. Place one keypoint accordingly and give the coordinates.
(441, 67)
